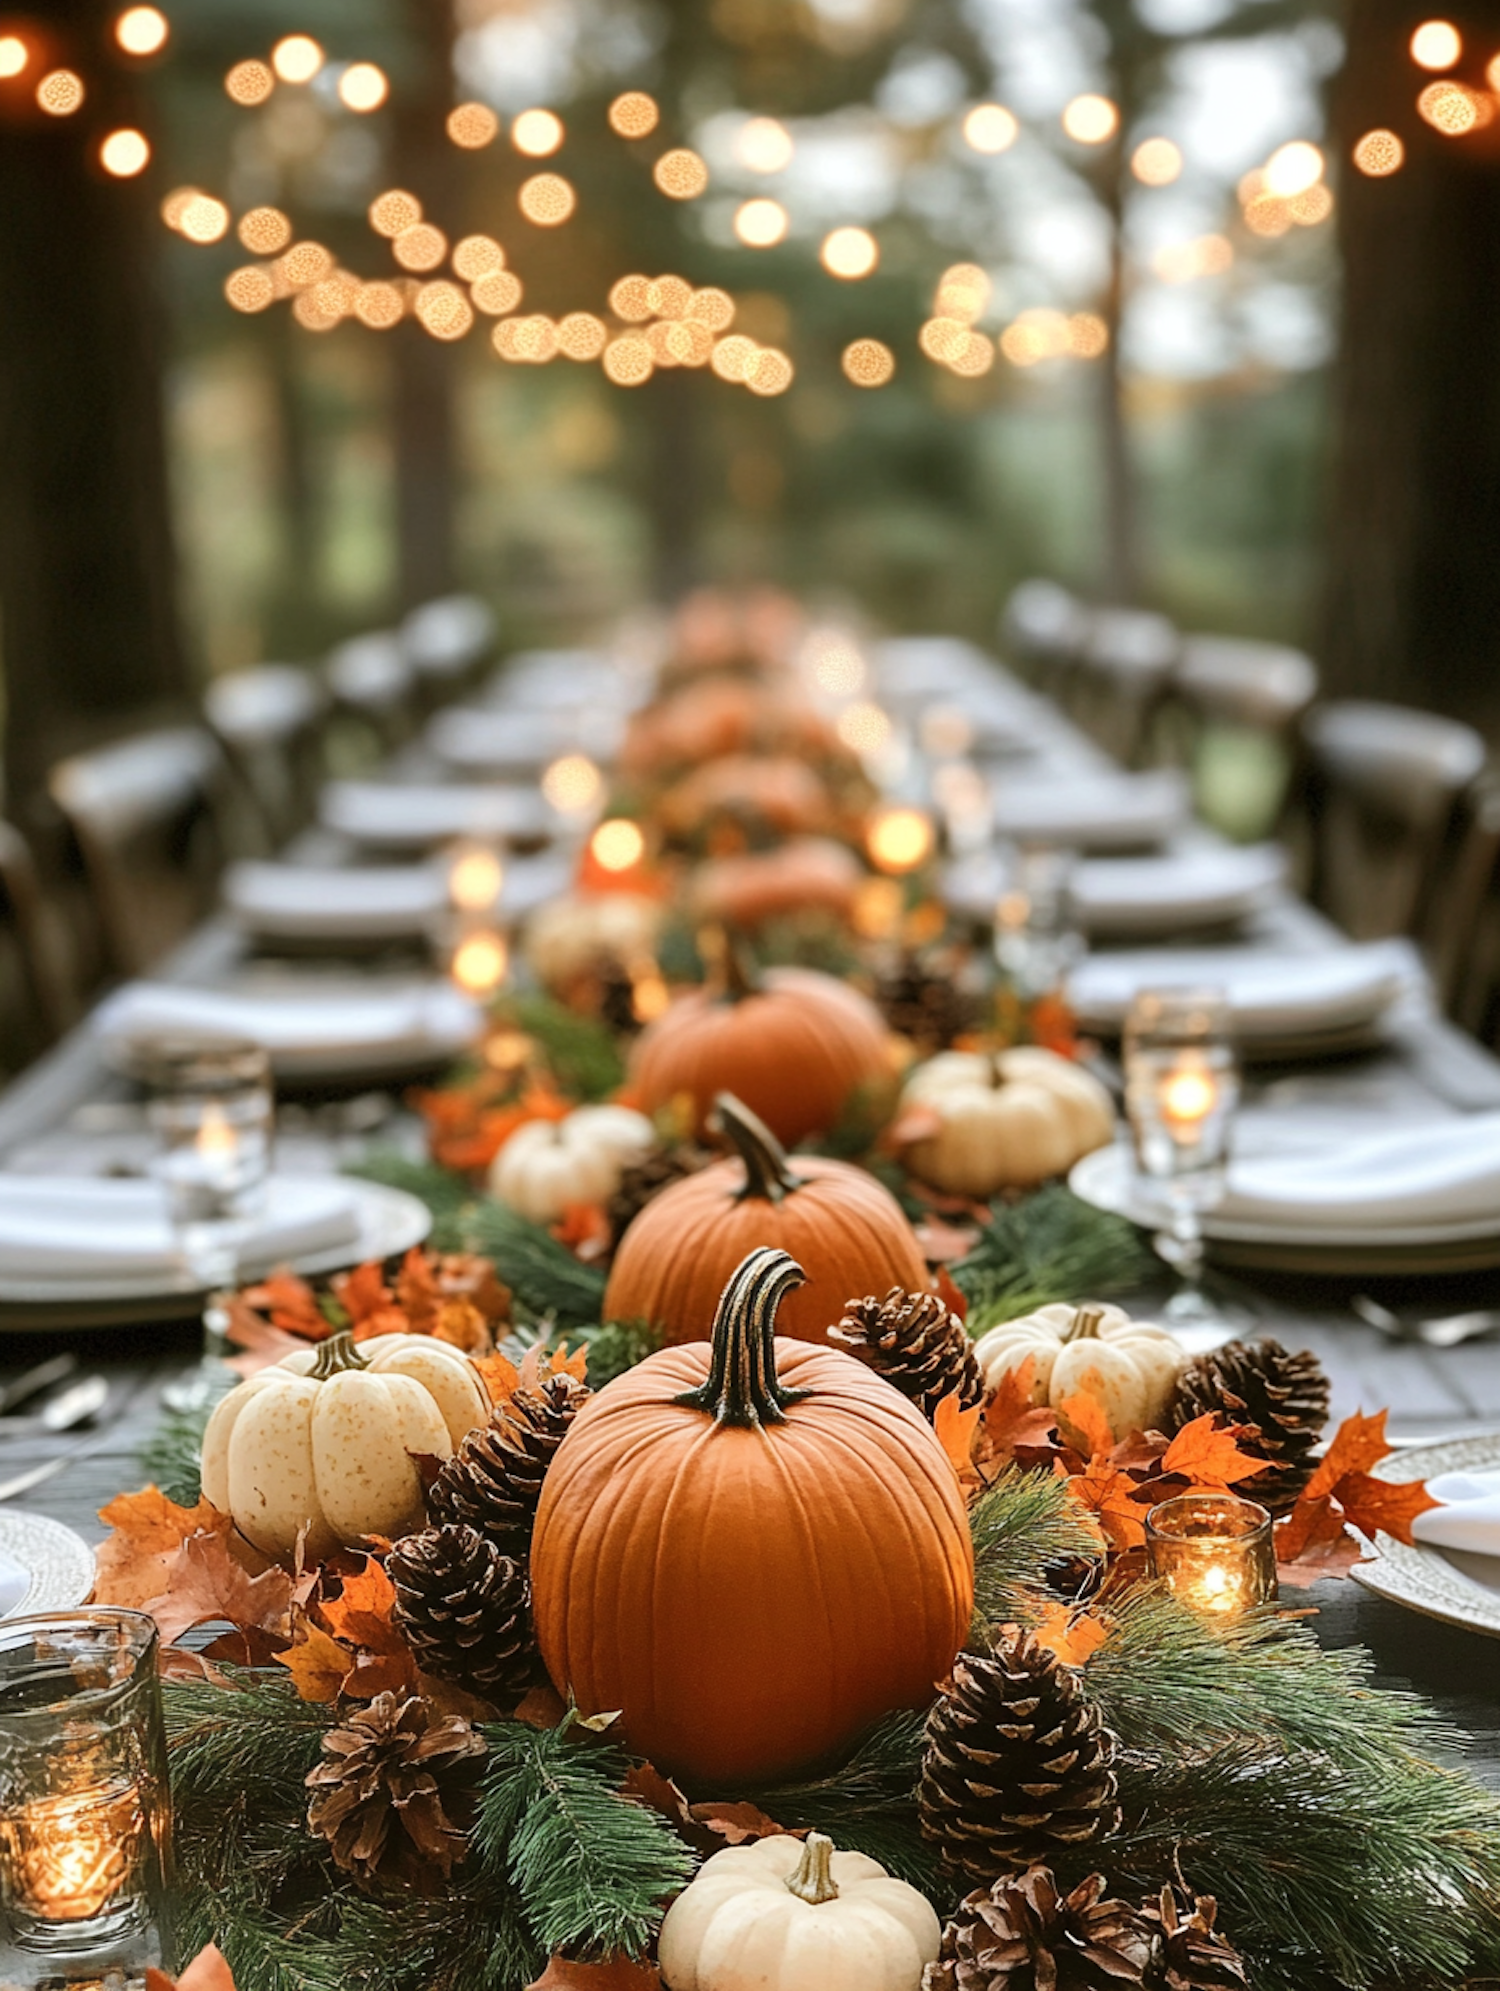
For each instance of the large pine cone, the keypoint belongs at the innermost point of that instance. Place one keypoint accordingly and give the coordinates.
(382, 1793)
(1026, 1935)
(494, 1480)
(466, 1611)
(647, 1178)
(1017, 1763)
(1284, 1396)
(1188, 1953)
(926, 1002)
(917, 1343)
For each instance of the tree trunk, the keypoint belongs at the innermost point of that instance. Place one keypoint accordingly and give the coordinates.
(1412, 603)
(87, 584)
(1122, 555)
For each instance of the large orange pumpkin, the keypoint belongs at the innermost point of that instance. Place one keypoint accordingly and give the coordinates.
(796, 1047)
(753, 1550)
(836, 1220)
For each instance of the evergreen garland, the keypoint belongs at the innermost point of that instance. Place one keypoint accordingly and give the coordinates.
(582, 1054)
(172, 1457)
(1051, 1246)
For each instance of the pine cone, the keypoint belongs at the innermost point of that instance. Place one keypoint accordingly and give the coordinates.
(926, 1003)
(1284, 1396)
(1188, 1953)
(1017, 1763)
(1025, 1935)
(640, 1182)
(382, 1792)
(494, 1480)
(917, 1343)
(466, 1611)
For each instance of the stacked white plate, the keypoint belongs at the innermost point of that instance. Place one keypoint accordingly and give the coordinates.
(388, 815)
(1178, 893)
(1094, 810)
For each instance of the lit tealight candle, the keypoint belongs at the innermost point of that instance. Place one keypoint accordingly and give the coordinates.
(69, 1856)
(1213, 1551)
(1188, 1094)
(480, 963)
(900, 840)
(475, 879)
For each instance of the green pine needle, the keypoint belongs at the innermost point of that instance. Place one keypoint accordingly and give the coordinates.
(1022, 1525)
(172, 1457)
(1049, 1247)
(581, 1053)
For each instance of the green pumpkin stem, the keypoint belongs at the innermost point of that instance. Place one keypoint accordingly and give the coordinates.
(1084, 1326)
(767, 1175)
(335, 1355)
(742, 1388)
(727, 958)
(813, 1880)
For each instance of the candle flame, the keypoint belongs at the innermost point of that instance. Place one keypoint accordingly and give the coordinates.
(1189, 1096)
(217, 1134)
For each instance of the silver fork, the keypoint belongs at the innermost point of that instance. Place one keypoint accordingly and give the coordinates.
(1441, 1331)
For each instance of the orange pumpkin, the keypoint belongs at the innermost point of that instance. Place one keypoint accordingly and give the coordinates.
(846, 1228)
(797, 1048)
(808, 874)
(783, 794)
(753, 1549)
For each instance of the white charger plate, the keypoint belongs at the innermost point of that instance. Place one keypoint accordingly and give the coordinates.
(1457, 1587)
(55, 1566)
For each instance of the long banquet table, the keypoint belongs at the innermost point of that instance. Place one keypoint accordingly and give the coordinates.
(69, 1114)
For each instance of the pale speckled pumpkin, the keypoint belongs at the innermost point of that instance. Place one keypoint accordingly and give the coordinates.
(1130, 1367)
(1005, 1121)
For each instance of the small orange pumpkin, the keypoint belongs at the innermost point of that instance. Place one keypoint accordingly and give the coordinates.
(807, 874)
(846, 1228)
(783, 794)
(753, 1549)
(796, 1047)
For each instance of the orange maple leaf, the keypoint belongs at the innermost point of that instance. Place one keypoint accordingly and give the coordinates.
(1206, 1453)
(363, 1292)
(207, 1972)
(620, 1973)
(1014, 1422)
(500, 1377)
(1106, 1493)
(584, 1229)
(1382, 1505)
(132, 1567)
(361, 1613)
(318, 1664)
(537, 1364)
(1084, 1424)
(291, 1305)
(205, 1585)
(952, 1298)
(956, 1431)
(739, 1824)
(1075, 1636)
(1359, 1443)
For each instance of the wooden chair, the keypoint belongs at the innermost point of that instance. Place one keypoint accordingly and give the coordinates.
(448, 642)
(1465, 952)
(36, 1000)
(1230, 717)
(1123, 670)
(1043, 630)
(374, 691)
(151, 821)
(1378, 814)
(270, 722)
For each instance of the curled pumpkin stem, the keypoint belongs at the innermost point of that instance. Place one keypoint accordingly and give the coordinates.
(742, 1388)
(1084, 1326)
(768, 1176)
(335, 1355)
(813, 1879)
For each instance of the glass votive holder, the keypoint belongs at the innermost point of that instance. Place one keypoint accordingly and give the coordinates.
(211, 1106)
(1213, 1551)
(85, 1806)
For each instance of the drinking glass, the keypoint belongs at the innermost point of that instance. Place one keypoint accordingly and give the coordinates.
(85, 1806)
(1037, 941)
(212, 1107)
(1181, 1089)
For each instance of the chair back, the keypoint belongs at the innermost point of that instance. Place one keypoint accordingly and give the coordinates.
(373, 685)
(1121, 678)
(37, 1003)
(1231, 717)
(270, 723)
(448, 642)
(1043, 629)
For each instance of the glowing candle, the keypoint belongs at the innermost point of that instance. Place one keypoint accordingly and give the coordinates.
(69, 1856)
(1213, 1551)
(1188, 1093)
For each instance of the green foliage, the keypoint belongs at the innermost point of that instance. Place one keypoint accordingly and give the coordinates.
(1049, 1247)
(613, 1348)
(581, 1053)
(1022, 1525)
(447, 1196)
(172, 1457)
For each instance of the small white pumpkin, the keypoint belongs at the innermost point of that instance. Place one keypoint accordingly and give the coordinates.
(1130, 1366)
(328, 1440)
(781, 1915)
(548, 1164)
(1009, 1120)
(581, 932)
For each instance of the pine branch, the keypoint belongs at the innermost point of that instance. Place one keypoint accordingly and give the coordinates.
(581, 1054)
(172, 1457)
(592, 1867)
(1024, 1524)
(1049, 1247)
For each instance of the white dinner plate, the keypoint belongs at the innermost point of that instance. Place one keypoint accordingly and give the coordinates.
(1459, 1587)
(43, 1565)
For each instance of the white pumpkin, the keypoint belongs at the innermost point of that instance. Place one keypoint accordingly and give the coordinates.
(1130, 1366)
(548, 1164)
(781, 1915)
(328, 1440)
(579, 933)
(1008, 1120)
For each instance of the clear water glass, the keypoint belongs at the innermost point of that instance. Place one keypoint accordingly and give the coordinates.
(1037, 939)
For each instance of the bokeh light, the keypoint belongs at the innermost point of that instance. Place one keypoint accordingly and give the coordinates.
(581, 336)
(475, 880)
(379, 305)
(1156, 162)
(480, 963)
(1492, 74)
(547, 200)
(264, 230)
(175, 203)
(900, 839)
(942, 336)
(1292, 169)
(764, 145)
(1312, 207)
(834, 660)
(1184, 262)
(250, 289)
(732, 356)
(142, 30)
(537, 133)
(1039, 334)
(990, 128)
(125, 153)
(526, 341)
(634, 115)
(1436, 45)
(1268, 217)
(497, 293)
(669, 296)
(420, 247)
(477, 256)
(963, 292)
(973, 357)
(770, 373)
(14, 55)
(617, 845)
(761, 223)
(630, 299)
(297, 58)
(363, 87)
(849, 253)
(711, 308)
(303, 264)
(681, 174)
(249, 83)
(442, 309)
(1090, 119)
(573, 784)
(203, 219)
(1379, 154)
(864, 728)
(628, 361)
(394, 212)
(473, 126)
(1088, 335)
(1450, 108)
(868, 363)
(60, 93)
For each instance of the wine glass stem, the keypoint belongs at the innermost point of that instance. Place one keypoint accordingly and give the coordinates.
(1187, 1239)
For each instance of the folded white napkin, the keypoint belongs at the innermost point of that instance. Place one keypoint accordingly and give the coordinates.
(1446, 1173)
(1195, 887)
(562, 680)
(1270, 994)
(1101, 810)
(69, 1228)
(301, 1031)
(305, 901)
(15, 1581)
(1469, 1517)
(391, 814)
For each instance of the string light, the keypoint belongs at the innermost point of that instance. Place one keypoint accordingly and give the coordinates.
(204, 220)
(473, 126)
(849, 253)
(1379, 154)
(867, 363)
(303, 264)
(1450, 108)
(864, 728)
(175, 204)
(14, 55)
(573, 784)
(974, 357)
(478, 256)
(264, 230)
(1183, 262)
(1088, 335)
(900, 839)
(142, 30)
(711, 308)
(669, 296)
(1269, 217)
(581, 336)
(990, 128)
(537, 133)
(681, 174)
(1436, 45)
(1292, 169)
(733, 355)
(480, 963)
(1090, 119)
(761, 223)
(526, 341)
(379, 306)
(1312, 207)
(60, 93)
(941, 337)
(249, 84)
(634, 115)
(394, 212)
(363, 87)
(630, 299)
(1156, 162)
(124, 154)
(963, 291)
(250, 289)
(628, 361)
(323, 306)
(297, 58)
(442, 309)
(420, 247)
(547, 200)
(617, 845)
(764, 145)
(497, 293)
